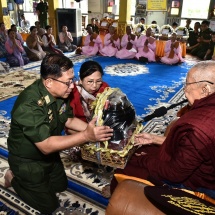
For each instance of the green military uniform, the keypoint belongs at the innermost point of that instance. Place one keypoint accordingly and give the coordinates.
(37, 115)
(42, 7)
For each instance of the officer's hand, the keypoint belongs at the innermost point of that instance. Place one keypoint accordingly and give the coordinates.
(95, 133)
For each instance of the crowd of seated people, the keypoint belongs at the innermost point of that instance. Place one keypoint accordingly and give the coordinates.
(39, 42)
(198, 41)
(128, 46)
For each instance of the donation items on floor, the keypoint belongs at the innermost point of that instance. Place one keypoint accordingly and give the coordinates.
(113, 109)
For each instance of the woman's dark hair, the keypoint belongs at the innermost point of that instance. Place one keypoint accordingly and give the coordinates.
(8, 32)
(32, 28)
(53, 65)
(88, 68)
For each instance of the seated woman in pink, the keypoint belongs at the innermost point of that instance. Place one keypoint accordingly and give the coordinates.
(86, 89)
(14, 49)
(111, 43)
(172, 51)
(92, 43)
(128, 44)
(146, 45)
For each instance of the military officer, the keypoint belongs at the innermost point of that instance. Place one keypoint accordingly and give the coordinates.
(38, 117)
(42, 12)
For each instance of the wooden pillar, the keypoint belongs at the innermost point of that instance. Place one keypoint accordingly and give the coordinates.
(4, 17)
(52, 20)
(124, 16)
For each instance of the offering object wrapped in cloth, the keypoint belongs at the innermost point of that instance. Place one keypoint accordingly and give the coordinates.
(113, 109)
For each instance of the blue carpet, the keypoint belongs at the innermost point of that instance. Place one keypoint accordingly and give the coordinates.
(147, 86)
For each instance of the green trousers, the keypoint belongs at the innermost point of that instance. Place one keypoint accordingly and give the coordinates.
(37, 182)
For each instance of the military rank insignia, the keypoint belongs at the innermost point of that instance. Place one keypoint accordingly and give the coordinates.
(50, 114)
(41, 101)
(62, 109)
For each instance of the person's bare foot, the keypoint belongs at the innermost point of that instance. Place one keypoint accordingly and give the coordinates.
(8, 178)
(106, 191)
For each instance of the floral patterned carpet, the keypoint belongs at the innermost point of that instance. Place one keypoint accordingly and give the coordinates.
(147, 87)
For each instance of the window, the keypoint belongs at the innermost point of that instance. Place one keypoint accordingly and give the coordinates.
(190, 9)
(29, 9)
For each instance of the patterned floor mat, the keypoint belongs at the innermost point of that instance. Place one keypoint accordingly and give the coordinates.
(69, 201)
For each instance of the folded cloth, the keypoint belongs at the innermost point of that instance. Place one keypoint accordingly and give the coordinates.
(177, 202)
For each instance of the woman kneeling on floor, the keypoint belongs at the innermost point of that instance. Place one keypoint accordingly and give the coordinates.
(14, 49)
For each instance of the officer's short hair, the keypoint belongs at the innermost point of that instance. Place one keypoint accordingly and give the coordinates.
(53, 65)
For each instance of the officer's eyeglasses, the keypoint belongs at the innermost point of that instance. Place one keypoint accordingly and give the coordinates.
(68, 83)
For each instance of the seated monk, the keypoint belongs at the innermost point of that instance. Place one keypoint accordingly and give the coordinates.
(128, 45)
(92, 43)
(172, 51)
(185, 159)
(106, 192)
(146, 45)
(111, 43)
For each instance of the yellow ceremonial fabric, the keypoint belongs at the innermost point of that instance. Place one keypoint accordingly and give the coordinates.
(183, 48)
(24, 36)
(201, 196)
(160, 45)
(121, 177)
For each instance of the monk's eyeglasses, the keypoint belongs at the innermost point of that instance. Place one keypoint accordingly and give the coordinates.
(188, 83)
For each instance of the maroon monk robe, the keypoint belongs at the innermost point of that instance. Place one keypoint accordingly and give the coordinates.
(187, 156)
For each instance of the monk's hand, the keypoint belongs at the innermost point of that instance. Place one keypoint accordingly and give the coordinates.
(140, 154)
(95, 133)
(146, 43)
(143, 139)
(172, 45)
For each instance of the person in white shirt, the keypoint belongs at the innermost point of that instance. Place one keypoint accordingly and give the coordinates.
(66, 40)
(49, 44)
(25, 24)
